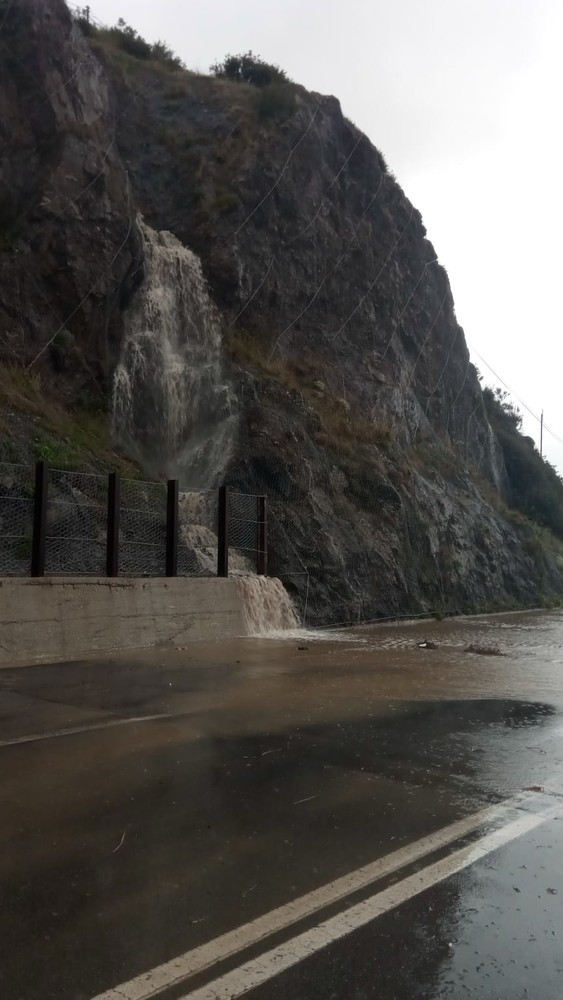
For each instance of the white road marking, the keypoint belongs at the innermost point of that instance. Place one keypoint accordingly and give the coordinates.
(198, 959)
(556, 731)
(110, 724)
(272, 963)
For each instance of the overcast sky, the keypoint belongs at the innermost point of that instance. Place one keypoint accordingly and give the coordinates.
(461, 97)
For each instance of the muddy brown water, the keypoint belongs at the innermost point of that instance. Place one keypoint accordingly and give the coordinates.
(530, 645)
(265, 681)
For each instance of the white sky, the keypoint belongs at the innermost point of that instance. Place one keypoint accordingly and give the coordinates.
(461, 98)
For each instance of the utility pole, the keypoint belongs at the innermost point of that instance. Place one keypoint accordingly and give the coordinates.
(541, 434)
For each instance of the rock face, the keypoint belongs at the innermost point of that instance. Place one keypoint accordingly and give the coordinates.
(65, 209)
(354, 405)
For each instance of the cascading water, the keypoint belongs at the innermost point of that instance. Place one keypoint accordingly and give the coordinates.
(266, 605)
(171, 404)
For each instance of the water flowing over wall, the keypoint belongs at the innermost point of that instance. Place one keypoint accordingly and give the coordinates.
(266, 605)
(171, 403)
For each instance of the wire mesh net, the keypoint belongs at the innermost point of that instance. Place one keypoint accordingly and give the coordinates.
(142, 529)
(16, 518)
(76, 534)
(197, 532)
(243, 522)
(76, 524)
(284, 560)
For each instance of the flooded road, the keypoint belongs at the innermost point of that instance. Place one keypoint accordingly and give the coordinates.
(375, 812)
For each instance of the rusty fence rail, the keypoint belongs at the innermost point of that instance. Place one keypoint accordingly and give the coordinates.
(57, 522)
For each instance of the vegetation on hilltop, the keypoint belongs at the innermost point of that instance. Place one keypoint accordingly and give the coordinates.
(275, 97)
(248, 68)
(125, 38)
(276, 93)
(536, 489)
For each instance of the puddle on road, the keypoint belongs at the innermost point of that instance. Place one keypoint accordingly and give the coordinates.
(316, 674)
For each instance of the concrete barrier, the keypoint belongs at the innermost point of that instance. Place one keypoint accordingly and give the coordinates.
(56, 619)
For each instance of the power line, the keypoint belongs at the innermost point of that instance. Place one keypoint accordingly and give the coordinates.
(554, 435)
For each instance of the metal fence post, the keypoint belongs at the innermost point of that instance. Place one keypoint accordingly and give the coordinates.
(39, 538)
(112, 526)
(172, 495)
(262, 536)
(223, 532)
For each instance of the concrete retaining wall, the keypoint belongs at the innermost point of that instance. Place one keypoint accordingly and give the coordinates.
(67, 618)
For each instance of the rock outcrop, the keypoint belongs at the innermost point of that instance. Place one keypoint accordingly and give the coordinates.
(66, 212)
(356, 408)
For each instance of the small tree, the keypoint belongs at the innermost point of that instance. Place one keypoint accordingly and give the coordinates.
(501, 409)
(164, 54)
(131, 41)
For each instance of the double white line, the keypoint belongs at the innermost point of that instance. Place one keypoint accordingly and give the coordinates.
(512, 819)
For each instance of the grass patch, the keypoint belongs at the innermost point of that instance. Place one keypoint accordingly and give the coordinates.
(339, 427)
(249, 350)
(343, 430)
(65, 439)
(57, 453)
(425, 456)
(275, 102)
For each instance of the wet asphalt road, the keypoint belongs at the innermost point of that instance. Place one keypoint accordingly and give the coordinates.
(271, 771)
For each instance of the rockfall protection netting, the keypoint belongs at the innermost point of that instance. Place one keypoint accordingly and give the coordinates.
(76, 526)
(16, 518)
(197, 542)
(142, 529)
(243, 526)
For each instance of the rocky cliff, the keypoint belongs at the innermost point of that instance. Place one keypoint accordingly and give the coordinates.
(342, 381)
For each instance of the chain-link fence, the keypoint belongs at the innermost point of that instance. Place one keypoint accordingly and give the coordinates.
(76, 524)
(89, 527)
(284, 560)
(142, 529)
(197, 532)
(244, 532)
(16, 518)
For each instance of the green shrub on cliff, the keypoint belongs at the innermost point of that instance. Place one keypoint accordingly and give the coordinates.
(536, 488)
(248, 68)
(275, 98)
(125, 38)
